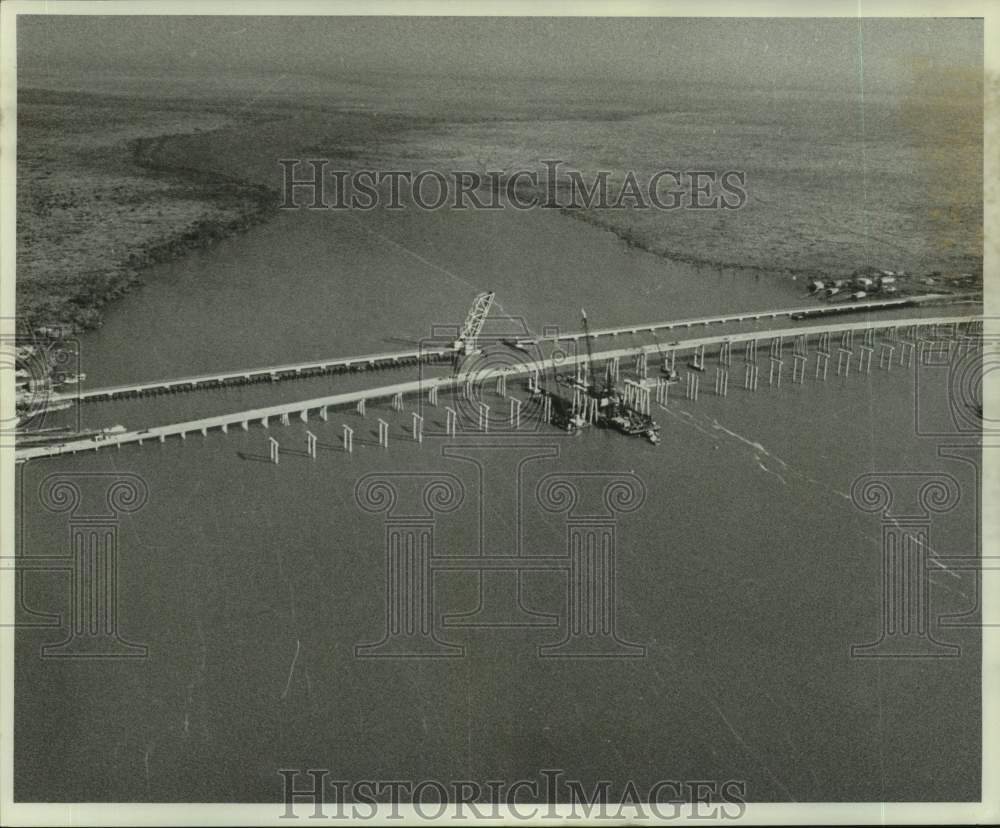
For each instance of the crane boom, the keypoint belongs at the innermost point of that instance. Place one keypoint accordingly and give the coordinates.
(586, 337)
(474, 322)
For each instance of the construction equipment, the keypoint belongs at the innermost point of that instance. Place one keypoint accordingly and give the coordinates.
(603, 394)
(473, 326)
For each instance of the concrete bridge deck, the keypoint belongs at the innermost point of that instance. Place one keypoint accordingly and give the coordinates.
(320, 406)
(270, 372)
(828, 309)
(430, 354)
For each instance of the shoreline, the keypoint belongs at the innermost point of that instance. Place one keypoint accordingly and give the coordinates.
(167, 204)
(94, 214)
(633, 239)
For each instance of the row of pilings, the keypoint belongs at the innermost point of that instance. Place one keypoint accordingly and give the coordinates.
(764, 362)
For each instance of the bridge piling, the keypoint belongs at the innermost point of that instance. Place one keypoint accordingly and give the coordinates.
(906, 354)
(284, 418)
(451, 421)
(348, 438)
(361, 407)
(418, 427)
(884, 358)
(383, 433)
(865, 358)
(799, 368)
(774, 374)
(311, 444)
(841, 354)
(515, 413)
(484, 417)
(273, 449)
(725, 355)
(698, 358)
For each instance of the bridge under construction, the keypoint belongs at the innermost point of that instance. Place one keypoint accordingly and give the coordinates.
(445, 353)
(810, 351)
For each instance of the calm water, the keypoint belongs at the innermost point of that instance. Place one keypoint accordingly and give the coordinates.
(747, 573)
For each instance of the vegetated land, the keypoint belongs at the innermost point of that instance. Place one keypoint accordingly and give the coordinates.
(109, 184)
(93, 209)
(830, 189)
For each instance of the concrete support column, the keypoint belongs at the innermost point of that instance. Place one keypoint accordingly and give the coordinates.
(693, 382)
(273, 449)
(361, 407)
(698, 358)
(822, 364)
(515, 413)
(906, 354)
(774, 373)
(418, 427)
(484, 417)
(799, 368)
(397, 402)
(885, 356)
(323, 414)
(725, 355)
(721, 382)
(865, 358)
(348, 439)
(662, 390)
(451, 421)
(844, 361)
(311, 444)
(383, 433)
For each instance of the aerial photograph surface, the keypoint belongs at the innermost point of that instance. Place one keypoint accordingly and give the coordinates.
(498, 410)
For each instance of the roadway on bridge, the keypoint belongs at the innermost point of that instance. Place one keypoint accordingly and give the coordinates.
(157, 406)
(661, 331)
(321, 405)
